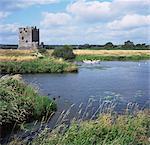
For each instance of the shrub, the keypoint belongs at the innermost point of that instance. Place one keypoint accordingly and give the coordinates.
(109, 45)
(42, 50)
(66, 53)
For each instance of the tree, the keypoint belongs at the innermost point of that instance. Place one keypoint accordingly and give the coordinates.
(109, 45)
(128, 45)
(66, 53)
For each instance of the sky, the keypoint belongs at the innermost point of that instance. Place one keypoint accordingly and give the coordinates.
(77, 21)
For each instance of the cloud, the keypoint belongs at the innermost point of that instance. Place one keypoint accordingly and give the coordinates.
(97, 11)
(8, 33)
(90, 11)
(8, 28)
(84, 21)
(3, 14)
(130, 22)
(55, 19)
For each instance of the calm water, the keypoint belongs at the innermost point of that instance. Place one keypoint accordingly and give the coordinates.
(114, 81)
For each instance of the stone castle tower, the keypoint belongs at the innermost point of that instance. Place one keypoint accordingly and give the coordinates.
(28, 38)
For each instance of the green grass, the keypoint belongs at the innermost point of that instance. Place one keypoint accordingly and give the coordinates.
(20, 103)
(106, 130)
(44, 65)
(112, 58)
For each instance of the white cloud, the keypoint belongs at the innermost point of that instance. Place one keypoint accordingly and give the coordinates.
(3, 14)
(116, 21)
(8, 33)
(55, 19)
(130, 22)
(90, 11)
(8, 28)
(97, 11)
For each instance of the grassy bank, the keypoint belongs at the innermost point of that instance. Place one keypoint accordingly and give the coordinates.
(45, 65)
(113, 57)
(106, 130)
(19, 102)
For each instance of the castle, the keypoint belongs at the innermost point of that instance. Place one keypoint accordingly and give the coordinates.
(28, 38)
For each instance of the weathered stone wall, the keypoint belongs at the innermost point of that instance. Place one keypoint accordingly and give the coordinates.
(28, 38)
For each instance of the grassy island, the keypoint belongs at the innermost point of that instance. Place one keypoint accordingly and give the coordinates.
(20, 103)
(27, 61)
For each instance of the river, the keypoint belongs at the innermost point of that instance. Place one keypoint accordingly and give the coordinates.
(96, 87)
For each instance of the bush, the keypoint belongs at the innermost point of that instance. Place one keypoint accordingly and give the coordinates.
(42, 50)
(66, 53)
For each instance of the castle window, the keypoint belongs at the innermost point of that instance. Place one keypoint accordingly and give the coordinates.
(22, 38)
(26, 41)
(20, 31)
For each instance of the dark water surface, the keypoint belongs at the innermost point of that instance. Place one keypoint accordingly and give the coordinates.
(115, 81)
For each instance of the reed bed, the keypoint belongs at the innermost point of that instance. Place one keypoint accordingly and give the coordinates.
(107, 128)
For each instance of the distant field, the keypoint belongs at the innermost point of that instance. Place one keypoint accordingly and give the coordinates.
(112, 52)
(16, 55)
(11, 52)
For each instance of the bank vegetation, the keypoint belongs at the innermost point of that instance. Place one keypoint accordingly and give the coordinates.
(20, 103)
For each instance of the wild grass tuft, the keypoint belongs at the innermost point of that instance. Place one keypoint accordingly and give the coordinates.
(106, 130)
(20, 103)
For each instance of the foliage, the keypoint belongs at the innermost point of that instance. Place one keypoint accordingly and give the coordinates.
(106, 130)
(19, 102)
(42, 50)
(45, 65)
(66, 53)
(109, 45)
(128, 45)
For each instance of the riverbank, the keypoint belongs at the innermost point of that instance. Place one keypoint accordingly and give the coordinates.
(28, 61)
(107, 129)
(21, 103)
